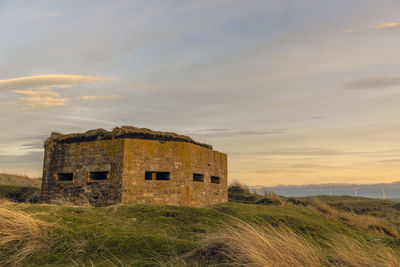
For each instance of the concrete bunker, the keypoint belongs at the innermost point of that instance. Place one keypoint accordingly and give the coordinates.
(133, 164)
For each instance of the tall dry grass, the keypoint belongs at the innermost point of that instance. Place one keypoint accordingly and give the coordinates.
(21, 235)
(82, 201)
(367, 223)
(244, 244)
(346, 251)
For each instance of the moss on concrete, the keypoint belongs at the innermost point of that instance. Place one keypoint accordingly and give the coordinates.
(121, 132)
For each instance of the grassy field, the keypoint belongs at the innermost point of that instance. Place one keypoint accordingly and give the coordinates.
(386, 209)
(12, 179)
(19, 188)
(274, 232)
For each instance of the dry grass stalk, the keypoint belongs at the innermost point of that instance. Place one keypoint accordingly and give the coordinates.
(71, 202)
(21, 235)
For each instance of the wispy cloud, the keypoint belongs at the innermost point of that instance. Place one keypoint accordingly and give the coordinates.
(388, 25)
(37, 91)
(40, 98)
(315, 152)
(348, 31)
(44, 82)
(98, 97)
(373, 82)
(226, 132)
(29, 163)
(382, 26)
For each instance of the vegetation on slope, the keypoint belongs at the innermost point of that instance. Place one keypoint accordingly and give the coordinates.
(265, 245)
(275, 232)
(136, 234)
(19, 188)
(12, 179)
(20, 193)
(385, 209)
(21, 235)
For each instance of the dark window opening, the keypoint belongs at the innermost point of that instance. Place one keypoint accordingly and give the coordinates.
(65, 177)
(98, 175)
(148, 175)
(162, 175)
(156, 176)
(198, 177)
(215, 179)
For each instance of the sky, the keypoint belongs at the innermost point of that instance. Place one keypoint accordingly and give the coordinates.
(295, 92)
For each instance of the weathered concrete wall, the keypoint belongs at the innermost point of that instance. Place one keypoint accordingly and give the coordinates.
(127, 160)
(181, 160)
(81, 159)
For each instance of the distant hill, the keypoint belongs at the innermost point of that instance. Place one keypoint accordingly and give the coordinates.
(12, 179)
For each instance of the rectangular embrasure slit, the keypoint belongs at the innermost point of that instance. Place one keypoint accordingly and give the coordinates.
(65, 176)
(215, 180)
(98, 175)
(197, 177)
(150, 175)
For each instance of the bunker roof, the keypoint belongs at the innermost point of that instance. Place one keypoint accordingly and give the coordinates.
(120, 132)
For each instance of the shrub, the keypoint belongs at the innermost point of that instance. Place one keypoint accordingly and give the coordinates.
(238, 192)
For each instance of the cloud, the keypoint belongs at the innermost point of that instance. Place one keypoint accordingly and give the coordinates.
(98, 97)
(374, 82)
(388, 25)
(45, 82)
(301, 151)
(214, 130)
(228, 133)
(316, 152)
(348, 31)
(37, 91)
(41, 98)
(383, 26)
(30, 163)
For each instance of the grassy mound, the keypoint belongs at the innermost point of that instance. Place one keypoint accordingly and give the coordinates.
(134, 234)
(250, 230)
